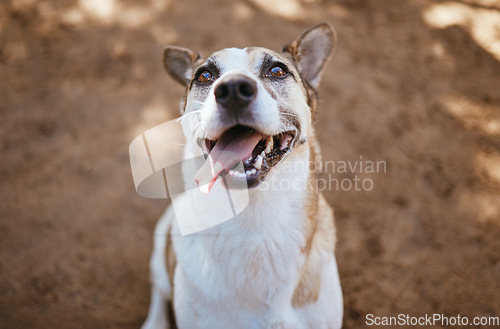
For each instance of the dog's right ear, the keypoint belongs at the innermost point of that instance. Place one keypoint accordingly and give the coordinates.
(179, 63)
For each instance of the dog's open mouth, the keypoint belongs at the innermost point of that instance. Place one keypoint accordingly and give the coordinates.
(258, 152)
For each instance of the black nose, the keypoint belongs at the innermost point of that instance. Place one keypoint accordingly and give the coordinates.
(235, 92)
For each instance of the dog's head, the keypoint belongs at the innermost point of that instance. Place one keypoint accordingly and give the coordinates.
(253, 103)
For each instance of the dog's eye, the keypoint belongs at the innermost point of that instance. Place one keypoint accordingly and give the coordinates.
(205, 76)
(277, 71)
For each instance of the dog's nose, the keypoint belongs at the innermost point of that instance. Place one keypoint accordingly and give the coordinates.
(235, 92)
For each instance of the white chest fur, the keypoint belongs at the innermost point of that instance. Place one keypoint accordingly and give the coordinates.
(243, 272)
(246, 268)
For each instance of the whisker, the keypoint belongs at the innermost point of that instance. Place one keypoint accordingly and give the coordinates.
(192, 112)
(196, 125)
(185, 115)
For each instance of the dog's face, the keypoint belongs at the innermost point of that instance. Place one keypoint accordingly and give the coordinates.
(253, 103)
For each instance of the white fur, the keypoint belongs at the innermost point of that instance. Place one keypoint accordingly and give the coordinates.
(265, 112)
(215, 289)
(161, 289)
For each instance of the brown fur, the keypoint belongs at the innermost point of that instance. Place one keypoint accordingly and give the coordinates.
(170, 259)
(320, 236)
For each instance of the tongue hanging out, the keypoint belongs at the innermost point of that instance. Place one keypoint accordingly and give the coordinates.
(232, 147)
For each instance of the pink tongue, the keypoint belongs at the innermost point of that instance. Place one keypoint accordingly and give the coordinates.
(234, 146)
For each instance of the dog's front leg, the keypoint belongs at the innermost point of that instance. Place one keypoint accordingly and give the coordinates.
(161, 290)
(157, 317)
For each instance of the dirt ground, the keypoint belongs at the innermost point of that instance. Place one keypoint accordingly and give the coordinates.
(414, 83)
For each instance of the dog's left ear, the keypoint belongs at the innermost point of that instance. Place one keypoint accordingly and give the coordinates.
(312, 50)
(179, 63)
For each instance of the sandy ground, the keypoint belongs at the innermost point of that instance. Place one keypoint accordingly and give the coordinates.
(414, 83)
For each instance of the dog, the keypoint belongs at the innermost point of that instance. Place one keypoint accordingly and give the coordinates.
(273, 264)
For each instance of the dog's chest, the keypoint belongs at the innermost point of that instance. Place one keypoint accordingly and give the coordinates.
(253, 259)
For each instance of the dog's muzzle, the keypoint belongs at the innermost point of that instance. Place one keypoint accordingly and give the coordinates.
(242, 140)
(235, 92)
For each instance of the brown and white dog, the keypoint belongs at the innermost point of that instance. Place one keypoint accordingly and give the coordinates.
(273, 265)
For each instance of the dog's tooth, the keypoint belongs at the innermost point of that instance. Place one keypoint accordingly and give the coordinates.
(248, 172)
(263, 154)
(258, 162)
(253, 171)
(269, 144)
(242, 175)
